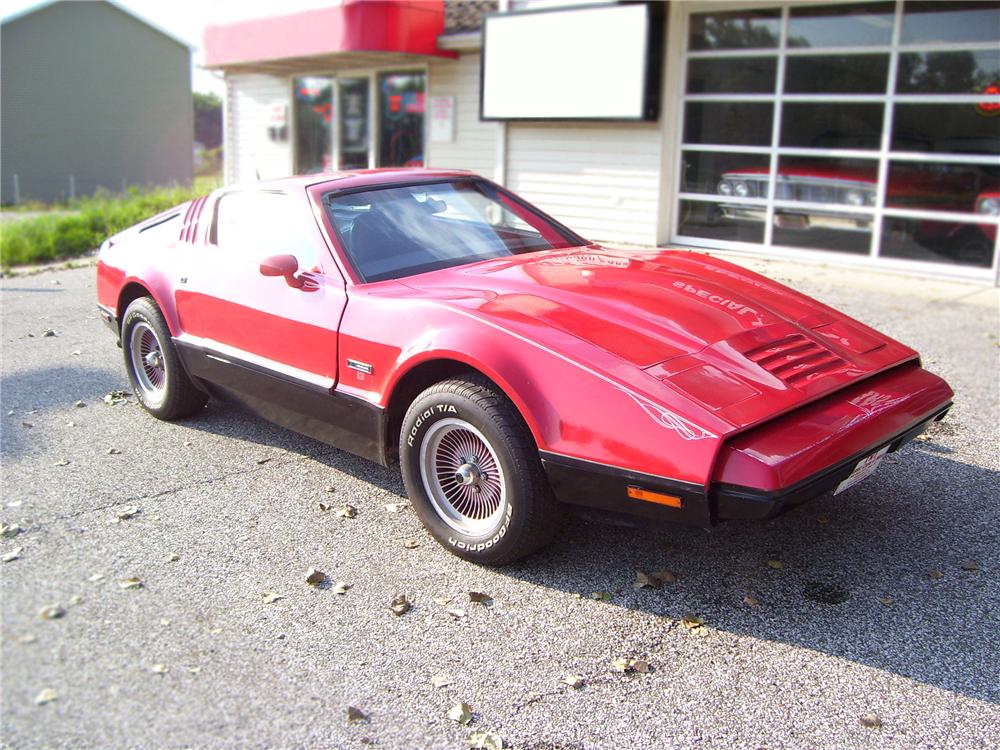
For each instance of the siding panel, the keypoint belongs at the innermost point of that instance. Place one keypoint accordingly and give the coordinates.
(251, 149)
(600, 179)
(475, 144)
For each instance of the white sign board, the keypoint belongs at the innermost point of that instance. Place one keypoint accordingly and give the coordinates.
(585, 63)
(442, 119)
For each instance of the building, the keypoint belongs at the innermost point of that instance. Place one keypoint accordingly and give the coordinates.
(860, 132)
(91, 96)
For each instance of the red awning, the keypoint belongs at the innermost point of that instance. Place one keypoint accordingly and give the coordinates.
(408, 27)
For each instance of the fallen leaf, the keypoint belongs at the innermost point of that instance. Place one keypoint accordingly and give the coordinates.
(775, 564)
(127, 512)
(601, 596)
(159, 669)
(261, 461)
(751, 601)
(461, 712)
(625, 664)
(27, 638)
(664, 576)
(396, 507)
(96, 577)
(457, 614)
(215, 631)
(871, 721)
(13, 555)
(480, 740)
(75, 600)
(173, 557)
(52, 612)
(935, 575)
(400, 605)
(75, 353)
(886, 600)
(970, 565)
(61, 462)
(194, 670)
(46, 696)
(575, 681)
(131, 583)
(440, 681)
(331, 488)
(315, 577)
(9, 531)
(116, 397)
(27, 425)
(270, 597)
(188, 443)
(355, 715)
(823, 520)
(340, 587)
(477, 597)
(164, 622)
(80, 404)
(692, 622)
(646, 581)
(48, 333)
(442, 600)
(348, 511)
(411, 543)
(114, 452)
(324, 506)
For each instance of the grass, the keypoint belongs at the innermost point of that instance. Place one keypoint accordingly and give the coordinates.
(74, 229)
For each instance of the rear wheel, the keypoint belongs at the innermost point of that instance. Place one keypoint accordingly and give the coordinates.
(472, 472)
(154, 369)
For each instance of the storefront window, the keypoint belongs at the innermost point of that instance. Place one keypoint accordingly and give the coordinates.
(401, 119)
(901, 169)
(354, 138)
(861, 24)
(313, 102)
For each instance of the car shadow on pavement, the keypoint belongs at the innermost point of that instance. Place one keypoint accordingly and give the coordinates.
(874, 576)
(898, 575)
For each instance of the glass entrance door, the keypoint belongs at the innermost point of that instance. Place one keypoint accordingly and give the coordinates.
(354, 127)
(313, 117)
(401, 119)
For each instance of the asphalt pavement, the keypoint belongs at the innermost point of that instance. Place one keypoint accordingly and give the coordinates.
(866, 620)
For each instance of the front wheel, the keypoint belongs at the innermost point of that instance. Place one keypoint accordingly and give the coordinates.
(472, 472)
(154, 369)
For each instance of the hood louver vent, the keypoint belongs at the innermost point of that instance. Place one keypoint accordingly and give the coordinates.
(795, 359)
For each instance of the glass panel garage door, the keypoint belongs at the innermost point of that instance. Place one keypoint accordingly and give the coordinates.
(867, 129)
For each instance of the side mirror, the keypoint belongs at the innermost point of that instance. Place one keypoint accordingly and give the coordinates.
(282, 265)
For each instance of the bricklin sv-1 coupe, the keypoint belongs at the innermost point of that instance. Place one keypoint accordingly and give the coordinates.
(510, 367)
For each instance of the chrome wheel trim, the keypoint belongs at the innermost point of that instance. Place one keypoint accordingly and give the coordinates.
(462, 477)
(148, 363)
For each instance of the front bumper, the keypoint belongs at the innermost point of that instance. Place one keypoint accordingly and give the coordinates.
(776, 465)
(737, 502)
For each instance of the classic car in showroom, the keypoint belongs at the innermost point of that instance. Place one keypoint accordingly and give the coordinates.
(822, 189)
(510, 367)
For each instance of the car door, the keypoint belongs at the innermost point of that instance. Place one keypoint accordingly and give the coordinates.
(271, 341)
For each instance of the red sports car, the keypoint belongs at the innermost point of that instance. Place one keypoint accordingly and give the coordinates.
(510, 366)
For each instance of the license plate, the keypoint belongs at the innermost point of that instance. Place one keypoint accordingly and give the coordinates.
(864, 469)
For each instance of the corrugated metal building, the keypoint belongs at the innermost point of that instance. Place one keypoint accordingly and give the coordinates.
(91, 96)
(861, 132)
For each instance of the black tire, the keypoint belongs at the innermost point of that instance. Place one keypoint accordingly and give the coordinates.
(527, 514)
(163, 388)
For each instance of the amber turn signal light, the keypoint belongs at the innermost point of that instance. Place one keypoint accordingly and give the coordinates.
(655, 497)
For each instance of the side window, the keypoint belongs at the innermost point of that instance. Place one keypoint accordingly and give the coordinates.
(258, 224)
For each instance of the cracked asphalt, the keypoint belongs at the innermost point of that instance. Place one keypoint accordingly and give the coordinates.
(229, 508)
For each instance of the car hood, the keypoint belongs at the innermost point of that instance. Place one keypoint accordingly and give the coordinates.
(714, 330)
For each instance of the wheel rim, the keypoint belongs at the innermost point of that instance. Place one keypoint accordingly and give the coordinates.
(462, 477)
(148, 363)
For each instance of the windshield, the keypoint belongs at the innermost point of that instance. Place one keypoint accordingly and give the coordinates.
(393, 232)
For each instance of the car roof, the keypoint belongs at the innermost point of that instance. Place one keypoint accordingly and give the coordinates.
(359, 178)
